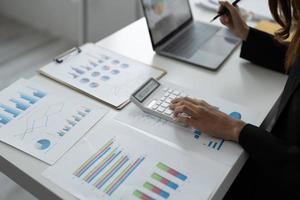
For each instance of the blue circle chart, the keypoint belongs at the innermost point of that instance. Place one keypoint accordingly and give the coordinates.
(84, 80)
(115, 71)
(94, 85)
(124, 66)
(235, 115)
(43, 144)
(95, 74)
(105, 78)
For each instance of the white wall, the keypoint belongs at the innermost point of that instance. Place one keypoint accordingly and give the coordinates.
(61, 17)
(64, 17)
(108, 16)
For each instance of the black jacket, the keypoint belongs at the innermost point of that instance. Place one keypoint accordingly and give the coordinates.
(273, 169)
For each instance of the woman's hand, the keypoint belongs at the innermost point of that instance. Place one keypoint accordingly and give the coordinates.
(234, 21)
(208, 119)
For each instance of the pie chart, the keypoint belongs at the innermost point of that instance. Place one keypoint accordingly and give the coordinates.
(42, 144)
(235, 115)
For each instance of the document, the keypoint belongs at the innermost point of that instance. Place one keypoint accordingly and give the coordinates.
(188, 139)
(117, 162)
(102, 74)
(256, 9)
(41, 123)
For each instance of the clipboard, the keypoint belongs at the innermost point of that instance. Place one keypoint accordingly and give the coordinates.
(100, 74)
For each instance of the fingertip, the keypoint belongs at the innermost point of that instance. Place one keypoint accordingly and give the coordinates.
(221, 2)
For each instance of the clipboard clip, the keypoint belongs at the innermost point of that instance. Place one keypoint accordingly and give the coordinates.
(60, 59)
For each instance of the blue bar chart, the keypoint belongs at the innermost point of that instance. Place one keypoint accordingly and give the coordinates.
(4, 119)
(17, 102)
(73, 120)
(20, 105)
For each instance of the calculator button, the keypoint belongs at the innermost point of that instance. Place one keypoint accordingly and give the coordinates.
(166, 94)
(182, 95)
(154, 107)
(168, 112)
(163, 98)
(158, 102)
(165, 89)
(170, 90)
(151, 104)
(175, 92)
(168, 100)
(172, 96)
(165, 105)
(161, 109)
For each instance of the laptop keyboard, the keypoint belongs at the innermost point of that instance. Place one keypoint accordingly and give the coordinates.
(191, 40)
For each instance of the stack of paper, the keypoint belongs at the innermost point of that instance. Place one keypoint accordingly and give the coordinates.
(256, 9)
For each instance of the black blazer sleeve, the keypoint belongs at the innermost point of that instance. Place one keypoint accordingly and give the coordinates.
(262, 49)
(273, 154)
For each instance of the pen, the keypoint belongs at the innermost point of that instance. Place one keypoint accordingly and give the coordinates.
(224, 10)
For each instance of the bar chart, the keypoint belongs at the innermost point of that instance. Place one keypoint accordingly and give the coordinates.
(42, 123)
(108, 168)
(157, 180)
(14, 105)
(214, 143)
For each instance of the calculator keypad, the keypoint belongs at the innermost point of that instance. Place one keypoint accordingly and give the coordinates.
(162, 105)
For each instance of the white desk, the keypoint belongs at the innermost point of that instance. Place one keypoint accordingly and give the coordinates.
(237, 81)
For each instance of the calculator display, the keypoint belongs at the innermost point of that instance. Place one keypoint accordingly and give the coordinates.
(146, 90)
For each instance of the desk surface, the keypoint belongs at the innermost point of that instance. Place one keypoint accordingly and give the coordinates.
(237, 81)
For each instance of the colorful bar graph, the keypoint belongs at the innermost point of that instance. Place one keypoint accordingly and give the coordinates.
(111, 172)
(142, 196)
(171, 171)
(30, 99)
(101, 166)
(156, 190)
(10, 110)
(164, 181)
(92, 160)
(4, 119)
(20, 105)
(110, 189)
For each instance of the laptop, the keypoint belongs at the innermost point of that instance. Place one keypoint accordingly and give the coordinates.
(175, 34)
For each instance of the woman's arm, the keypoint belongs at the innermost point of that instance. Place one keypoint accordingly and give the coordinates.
(258, 47)
(263, 49)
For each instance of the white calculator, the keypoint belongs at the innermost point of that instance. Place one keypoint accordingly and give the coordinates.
(155, 98)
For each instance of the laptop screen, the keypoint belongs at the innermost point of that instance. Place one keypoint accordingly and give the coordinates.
(165, 16)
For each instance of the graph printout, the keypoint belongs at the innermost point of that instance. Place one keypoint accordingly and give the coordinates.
(41, 123)
(191, 140)
(102, 74)
(116, 162)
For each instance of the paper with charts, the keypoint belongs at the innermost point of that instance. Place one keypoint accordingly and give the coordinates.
(117, 162)
(41, 123)
(102, 74)
(187, 139)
